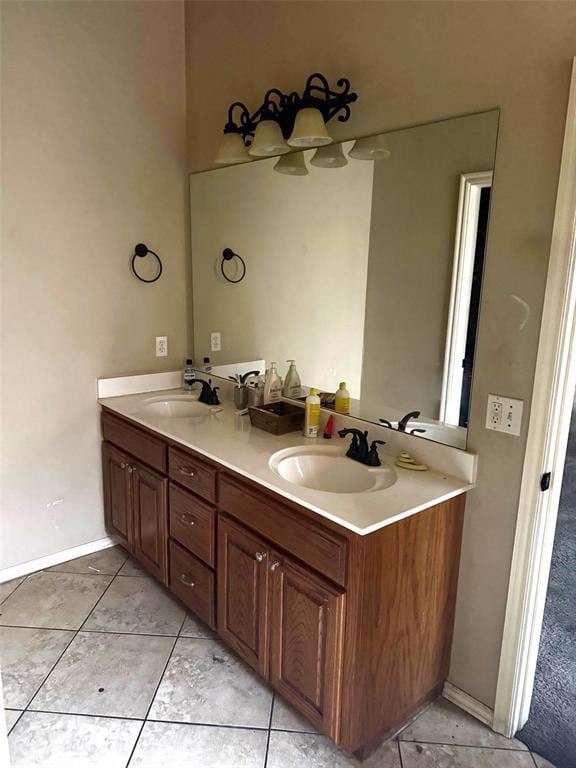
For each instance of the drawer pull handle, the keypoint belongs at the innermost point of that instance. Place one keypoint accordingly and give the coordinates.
(131, 469)
(274, 565)
(123, 465)
(187, 519)
(260, 556)
(185, 579)
(187, 472)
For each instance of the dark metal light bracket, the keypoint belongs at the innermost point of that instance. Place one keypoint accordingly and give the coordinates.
(283, 108)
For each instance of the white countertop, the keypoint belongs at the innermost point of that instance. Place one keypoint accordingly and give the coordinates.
(230, 440)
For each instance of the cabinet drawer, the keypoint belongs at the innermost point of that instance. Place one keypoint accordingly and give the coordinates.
(151, 450)
(192, 473)
(192, 582)
(192, 523)
(310, 542)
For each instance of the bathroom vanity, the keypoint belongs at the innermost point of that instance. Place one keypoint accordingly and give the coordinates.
(344, 602)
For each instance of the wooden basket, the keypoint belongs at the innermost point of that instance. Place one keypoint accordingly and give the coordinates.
(277, 418)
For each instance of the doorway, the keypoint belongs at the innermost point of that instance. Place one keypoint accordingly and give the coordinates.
(551, 727)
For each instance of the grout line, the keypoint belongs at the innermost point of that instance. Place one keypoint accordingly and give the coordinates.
(21, 711)
(533, 759)
(74, 636)
(467, 746)
(154, 694)
(399, 754)
(14, 590)
(269, 727)
(83, 714)
(210, 725)
(95, 631)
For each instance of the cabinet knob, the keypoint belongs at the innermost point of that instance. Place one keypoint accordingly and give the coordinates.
(131, 469)
(185, 579)
(187, 519)
(260, 556)
(123, 465)
(274, 565)
(187, 472)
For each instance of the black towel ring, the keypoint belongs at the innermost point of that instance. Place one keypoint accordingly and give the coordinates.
(142, 250)
(227, 255)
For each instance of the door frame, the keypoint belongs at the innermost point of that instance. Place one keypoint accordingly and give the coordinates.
(471, 186)
(552, 401)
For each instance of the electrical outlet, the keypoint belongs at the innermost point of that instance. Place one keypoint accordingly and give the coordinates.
(161, 346)
(215, 341)
(504, 414)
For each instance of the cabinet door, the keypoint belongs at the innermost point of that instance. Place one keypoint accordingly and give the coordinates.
(151, 520)
(243, 593)
(117, 493)
(306, 642)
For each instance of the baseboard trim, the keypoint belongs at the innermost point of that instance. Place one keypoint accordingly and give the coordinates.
(24, 569)
(469, 704)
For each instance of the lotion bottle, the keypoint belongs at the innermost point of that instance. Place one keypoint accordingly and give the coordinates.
(272, 386)
(342, 399)
(312, 414)
(292, 383)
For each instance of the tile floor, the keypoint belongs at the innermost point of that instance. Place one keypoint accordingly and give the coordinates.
(103, 668)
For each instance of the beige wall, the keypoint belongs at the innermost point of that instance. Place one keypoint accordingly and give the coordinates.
(93, 155)
(415, 205)
(305, 243)
(412, 62)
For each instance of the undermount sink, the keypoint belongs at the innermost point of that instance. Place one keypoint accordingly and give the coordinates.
(328, 469)
(176, 407)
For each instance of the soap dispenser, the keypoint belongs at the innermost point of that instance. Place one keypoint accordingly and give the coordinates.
(292, 383)
(272, 386)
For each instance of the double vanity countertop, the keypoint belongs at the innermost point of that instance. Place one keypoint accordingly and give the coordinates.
(229, 439)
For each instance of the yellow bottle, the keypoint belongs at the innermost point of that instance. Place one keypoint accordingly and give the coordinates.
(342, 399)
(312, 414)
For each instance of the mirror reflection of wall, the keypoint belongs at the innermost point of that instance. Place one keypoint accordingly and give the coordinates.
(368, 273)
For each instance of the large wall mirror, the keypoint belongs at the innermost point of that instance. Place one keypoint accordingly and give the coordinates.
(367, 271)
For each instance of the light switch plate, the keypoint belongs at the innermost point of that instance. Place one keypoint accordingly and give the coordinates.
(504, 414)
(215, 341)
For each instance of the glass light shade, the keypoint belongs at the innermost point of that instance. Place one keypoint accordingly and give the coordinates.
(309, 129)
(330, 156)
(268, 140)
(232, 150)
(371, 148)
(292, 164)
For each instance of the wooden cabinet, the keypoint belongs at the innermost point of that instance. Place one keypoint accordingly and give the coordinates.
(284, 620)
(150, 515)
(354, 631)
(243, 593)
(306, 642)
(136, 508)
(117, 493)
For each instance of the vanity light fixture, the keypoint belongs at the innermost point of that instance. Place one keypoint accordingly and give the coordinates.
(292, 164)
(301, 120)
(330, 156)
(232, 150)
(370, 148)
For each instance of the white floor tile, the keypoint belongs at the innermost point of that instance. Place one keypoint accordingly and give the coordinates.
(165, 745)
(41, 740)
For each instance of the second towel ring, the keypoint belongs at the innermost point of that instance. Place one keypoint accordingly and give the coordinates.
(227, 255)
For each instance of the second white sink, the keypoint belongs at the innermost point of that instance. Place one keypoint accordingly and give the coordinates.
(328, 469)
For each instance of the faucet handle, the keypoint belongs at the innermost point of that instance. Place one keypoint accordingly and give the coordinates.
(373, 460)
(386, 423)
